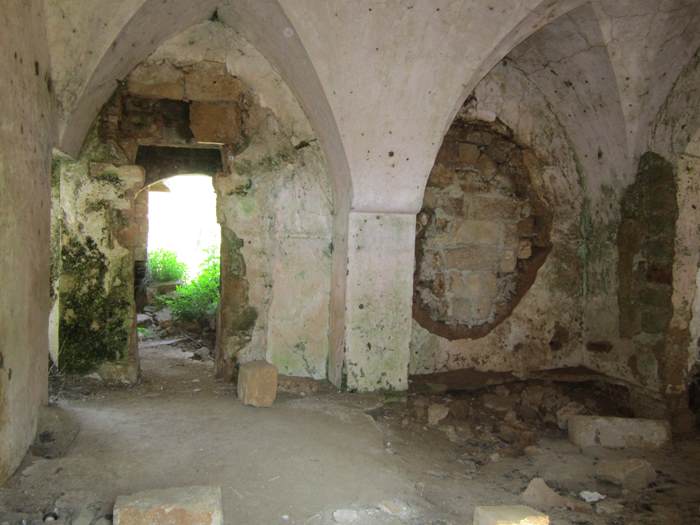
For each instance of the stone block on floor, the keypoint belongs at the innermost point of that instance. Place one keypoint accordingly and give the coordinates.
(509, 515)
(631, 474)
(174, 506)
(618, 432)
(257, 383)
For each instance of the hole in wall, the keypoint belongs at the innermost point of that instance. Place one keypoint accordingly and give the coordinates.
(482, 234)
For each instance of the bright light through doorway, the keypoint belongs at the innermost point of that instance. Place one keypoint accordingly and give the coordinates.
(183, 220)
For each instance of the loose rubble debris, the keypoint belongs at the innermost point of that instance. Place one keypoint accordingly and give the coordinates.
(508, 436)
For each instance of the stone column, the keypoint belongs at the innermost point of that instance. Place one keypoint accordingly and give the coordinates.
(378, 300)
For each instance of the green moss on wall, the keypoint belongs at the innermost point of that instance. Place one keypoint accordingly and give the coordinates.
(95, 314)
(110, 177)
(646, 242)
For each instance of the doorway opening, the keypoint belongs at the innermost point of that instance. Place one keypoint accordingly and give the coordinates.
(177, 257)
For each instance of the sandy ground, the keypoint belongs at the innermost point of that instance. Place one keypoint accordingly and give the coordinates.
(308, 456)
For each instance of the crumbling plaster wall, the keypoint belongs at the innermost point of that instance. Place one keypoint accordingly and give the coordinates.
(331, 56)
(532, 337)
(96, 309)
(605, 69)
(568, 61)
(676, 138)
(26, 136)
(274, 200)
(275, 206)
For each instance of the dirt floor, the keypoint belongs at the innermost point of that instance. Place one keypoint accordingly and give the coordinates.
(391, 459)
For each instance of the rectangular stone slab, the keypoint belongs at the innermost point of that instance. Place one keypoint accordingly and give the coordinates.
(173, 506)
(618, 432)
(509, 515)
(257, 383)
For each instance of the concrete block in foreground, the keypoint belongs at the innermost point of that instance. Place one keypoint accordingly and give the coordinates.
(174, 506)
(509, 515)
(618, 432)
(257, 383)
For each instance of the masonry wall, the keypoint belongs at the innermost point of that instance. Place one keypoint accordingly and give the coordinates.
(25, 156)
(96, 307)
(675, 141)
(499, 237)
(209, 86)
(273, 197)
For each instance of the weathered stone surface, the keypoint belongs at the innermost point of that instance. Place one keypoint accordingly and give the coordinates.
(509, 515)
(257, 383)
(540, 495)
(96, 307)
(632, 474)
(468, 227)
(175, 506)
(160, 80)
(569, 410)
(473, 257)
(436, 413)
(210, 81)
(216, 122)
(618, 432)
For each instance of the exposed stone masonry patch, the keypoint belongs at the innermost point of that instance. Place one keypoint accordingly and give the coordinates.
(483, 232)
(646, 237)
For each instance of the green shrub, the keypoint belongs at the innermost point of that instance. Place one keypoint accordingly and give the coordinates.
(197, 300)
(164, 266)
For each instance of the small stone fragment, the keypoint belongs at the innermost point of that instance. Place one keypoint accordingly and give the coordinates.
(591, 496)
(201, 354)
(257, 384)
(175, 506)
(470, 466)
(532, 451)
(509, 515)
(631, 474)
(498, 403)
(395, 507)
(345, 516)
(437, 413)
(539, 495)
